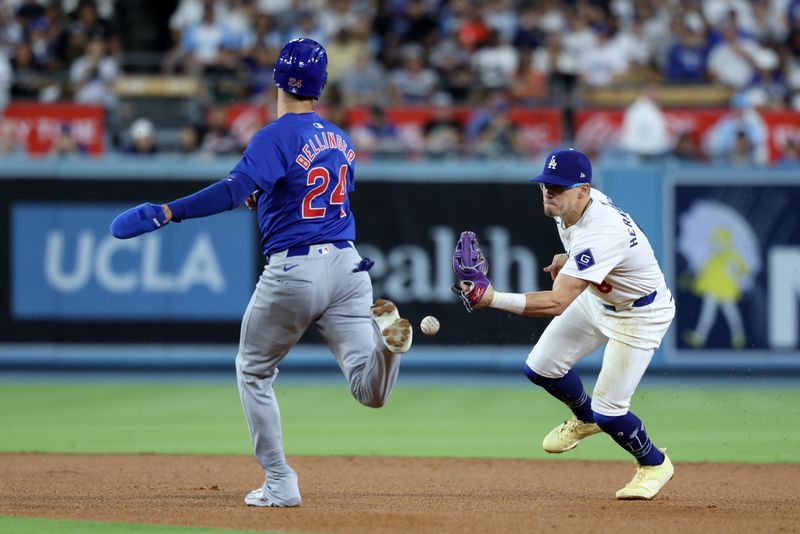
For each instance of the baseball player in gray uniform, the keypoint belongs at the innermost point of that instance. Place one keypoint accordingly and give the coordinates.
(607, 290)
(296, 173)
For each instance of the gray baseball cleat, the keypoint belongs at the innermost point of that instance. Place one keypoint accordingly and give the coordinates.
(257, 497)
(277, 492)
(396, 331)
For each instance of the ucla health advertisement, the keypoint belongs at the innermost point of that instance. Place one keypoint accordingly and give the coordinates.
(66, 265)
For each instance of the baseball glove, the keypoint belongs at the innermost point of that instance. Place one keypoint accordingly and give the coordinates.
(471, 267)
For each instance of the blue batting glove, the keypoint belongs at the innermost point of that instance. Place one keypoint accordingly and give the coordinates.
(364, 265)
(139, 220)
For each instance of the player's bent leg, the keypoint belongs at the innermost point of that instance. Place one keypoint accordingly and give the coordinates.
(569, 390)
(372, 378)
(353, 328)
(567, 339)
(369, 367)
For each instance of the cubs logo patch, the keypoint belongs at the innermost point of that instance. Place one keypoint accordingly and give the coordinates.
(584, 259)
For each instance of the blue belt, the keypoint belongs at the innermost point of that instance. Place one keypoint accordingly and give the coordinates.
(304, 249)
(638, 303)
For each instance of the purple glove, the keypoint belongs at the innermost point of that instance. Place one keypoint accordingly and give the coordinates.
(469, 254)
(470, 266)
(138, 220)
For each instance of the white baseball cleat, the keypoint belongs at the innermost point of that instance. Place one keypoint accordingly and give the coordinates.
(258, 498)
(648, 481)
(568, 434)
(396, 331)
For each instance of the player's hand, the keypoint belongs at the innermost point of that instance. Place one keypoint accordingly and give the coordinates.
(485, 299)
(559, 260)
(470, 267)
(140, 220)
(472, 288)
(252, 201)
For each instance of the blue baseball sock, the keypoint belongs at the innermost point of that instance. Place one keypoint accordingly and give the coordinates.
(628, 431)
(568, 389)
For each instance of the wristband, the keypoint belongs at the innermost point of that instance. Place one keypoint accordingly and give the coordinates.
(510, 302)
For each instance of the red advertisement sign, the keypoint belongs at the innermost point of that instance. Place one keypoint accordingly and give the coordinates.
(596, 130)
(539, 128)
(784, 128)
(36, 126)
(243, 120)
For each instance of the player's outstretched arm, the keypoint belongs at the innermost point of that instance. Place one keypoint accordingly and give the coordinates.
(540, 303)
(221, 196)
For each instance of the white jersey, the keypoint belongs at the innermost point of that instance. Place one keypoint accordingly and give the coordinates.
(607, 248)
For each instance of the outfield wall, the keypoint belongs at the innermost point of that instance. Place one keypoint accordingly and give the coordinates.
(72, 296)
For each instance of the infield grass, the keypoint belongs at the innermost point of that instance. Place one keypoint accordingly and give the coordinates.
(697, 424)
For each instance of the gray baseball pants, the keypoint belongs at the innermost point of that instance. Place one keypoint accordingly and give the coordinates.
(292, 293)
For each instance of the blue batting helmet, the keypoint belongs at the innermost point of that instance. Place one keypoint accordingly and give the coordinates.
(301, 68)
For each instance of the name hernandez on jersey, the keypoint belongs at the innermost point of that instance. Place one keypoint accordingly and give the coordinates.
(609, 250)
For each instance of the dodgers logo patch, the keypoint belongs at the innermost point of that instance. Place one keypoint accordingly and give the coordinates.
(584, 259)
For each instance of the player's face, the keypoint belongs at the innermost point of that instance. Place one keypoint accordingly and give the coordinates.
(558, 200)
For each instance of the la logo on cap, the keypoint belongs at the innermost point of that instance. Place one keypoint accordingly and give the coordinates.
(552, 164)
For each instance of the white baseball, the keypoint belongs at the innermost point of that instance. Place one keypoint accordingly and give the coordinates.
(429, 325)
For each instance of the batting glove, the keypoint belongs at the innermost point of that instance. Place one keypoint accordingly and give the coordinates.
(139, 220)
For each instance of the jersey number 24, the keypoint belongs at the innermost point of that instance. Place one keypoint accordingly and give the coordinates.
(318, 179)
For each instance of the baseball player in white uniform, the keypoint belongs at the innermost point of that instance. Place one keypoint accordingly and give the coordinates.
(608, 289)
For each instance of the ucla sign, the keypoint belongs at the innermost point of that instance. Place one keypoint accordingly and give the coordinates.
(66, 265)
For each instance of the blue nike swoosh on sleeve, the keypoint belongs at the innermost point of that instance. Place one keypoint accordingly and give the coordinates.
(287, 268)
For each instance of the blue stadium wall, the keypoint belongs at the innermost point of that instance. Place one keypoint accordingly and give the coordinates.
(74, 298)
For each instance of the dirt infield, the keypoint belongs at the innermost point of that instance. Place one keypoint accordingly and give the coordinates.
(392, 495)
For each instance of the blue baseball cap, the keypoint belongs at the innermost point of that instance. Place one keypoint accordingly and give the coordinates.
(567, 168)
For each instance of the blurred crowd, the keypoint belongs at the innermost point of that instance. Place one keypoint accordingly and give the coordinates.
(490, 55)
(48, 53)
